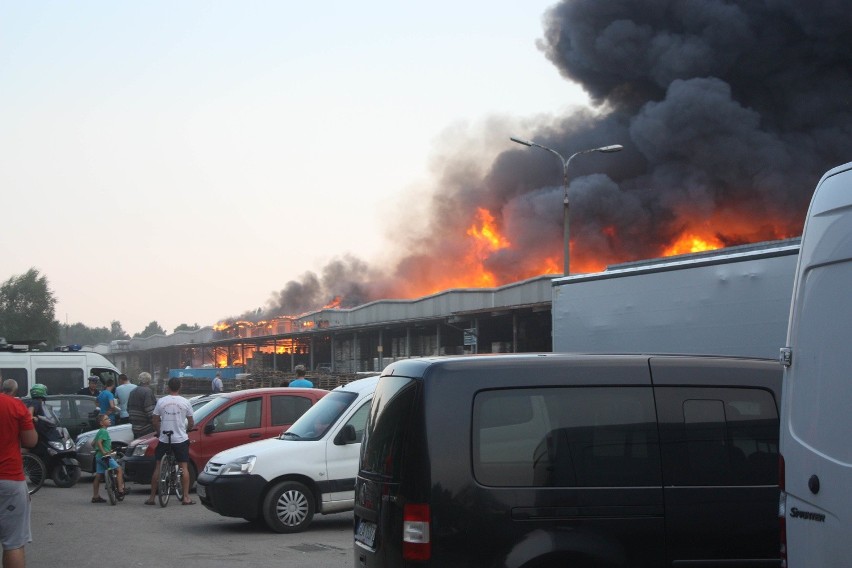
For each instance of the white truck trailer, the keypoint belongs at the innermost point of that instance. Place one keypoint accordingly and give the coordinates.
(730, 302)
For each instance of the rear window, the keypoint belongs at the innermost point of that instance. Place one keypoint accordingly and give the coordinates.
(387, 427)
(566, 437)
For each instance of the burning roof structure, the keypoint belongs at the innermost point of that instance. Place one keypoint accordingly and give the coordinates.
(728, 111)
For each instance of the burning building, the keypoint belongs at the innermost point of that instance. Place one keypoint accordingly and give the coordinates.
(728, 113)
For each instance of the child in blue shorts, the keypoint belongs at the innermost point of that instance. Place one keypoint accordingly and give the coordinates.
(103, 445)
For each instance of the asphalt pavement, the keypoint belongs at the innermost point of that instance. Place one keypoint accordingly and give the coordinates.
(69, 530)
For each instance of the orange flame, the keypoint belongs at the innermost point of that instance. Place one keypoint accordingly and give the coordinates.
(690, 242)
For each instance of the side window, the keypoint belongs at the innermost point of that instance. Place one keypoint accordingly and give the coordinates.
(240, 416)
(718, 436)
(359, 421)
(566, 437)
(60, 381)
(287, 409)
(20, 377)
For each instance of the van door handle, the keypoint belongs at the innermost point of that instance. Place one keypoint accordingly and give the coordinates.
(255, 435)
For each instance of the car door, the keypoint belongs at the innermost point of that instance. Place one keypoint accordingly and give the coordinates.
(240, 422)
(85, 414)
(342, 455)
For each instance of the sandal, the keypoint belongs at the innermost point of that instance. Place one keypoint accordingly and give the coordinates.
(190, 502)
(98, 499)
(150, 502)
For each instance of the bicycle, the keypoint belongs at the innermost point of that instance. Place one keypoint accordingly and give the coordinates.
(111, 480)
(35, 471)
(171, 475)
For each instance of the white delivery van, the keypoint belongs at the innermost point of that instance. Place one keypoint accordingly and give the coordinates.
(816, 416)
(62, 372)
(308, 469)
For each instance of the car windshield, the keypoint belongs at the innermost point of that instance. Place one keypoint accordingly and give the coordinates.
(314, 423)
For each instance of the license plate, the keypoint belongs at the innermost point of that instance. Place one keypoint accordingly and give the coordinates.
(366, 533)
(200, 490)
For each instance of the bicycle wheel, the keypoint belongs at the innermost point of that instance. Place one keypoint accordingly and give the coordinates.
(111, 486)
(35, 471)
(178, 480)
(166, 473)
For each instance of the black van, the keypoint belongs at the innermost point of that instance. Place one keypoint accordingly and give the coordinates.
(558, 460)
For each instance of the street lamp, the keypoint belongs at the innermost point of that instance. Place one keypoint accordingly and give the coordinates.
(565, 224)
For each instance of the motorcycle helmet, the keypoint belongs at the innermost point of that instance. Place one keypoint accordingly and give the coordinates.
(38, 391)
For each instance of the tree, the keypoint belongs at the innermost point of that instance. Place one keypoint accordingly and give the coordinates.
(153, 328)
(116, 331)
(187, 327)
(28, 308)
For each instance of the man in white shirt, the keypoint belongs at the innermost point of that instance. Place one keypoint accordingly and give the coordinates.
(169, 415)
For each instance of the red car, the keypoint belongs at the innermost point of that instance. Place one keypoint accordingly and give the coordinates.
(228, 420)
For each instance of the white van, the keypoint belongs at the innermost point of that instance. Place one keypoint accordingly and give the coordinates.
(62, 372)
(308, 469)
(816, 416)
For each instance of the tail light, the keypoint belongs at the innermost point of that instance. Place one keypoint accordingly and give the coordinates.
(416, 544)
(782, 511)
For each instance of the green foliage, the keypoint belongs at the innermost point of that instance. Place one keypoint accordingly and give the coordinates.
(187, 327)
(152, 328)
(28, 308)
(83, 335)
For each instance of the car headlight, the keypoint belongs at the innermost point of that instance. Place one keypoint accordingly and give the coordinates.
(82, 442)
(240, 466)
(140, 449)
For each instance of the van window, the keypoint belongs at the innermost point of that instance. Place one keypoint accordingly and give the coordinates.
(104, 374)
(59, 380)
(387, 426)
(572, 437)
(359, 421)
(719, 436)
(20, 377)
(288, 409)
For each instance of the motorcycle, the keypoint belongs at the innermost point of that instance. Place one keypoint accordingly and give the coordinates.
(56, 449)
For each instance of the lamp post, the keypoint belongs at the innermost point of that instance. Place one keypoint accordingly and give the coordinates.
(566, 255)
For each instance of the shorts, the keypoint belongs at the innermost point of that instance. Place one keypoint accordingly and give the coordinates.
(181, 450)
(14, 514)
(99, 464)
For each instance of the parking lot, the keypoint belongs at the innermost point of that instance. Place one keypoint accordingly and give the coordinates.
(69, 530)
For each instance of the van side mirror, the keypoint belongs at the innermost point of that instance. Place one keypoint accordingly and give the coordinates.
(209, 428)
(346, 436)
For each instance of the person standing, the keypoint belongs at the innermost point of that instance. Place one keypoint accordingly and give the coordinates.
(106, 401)
(92, 389)
(300, 380)
(122, 393)
(217, 383)
(140, 406)
(16, 430)
(169, 415)
(103, 446)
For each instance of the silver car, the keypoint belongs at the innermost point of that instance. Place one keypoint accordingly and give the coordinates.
(121, 436)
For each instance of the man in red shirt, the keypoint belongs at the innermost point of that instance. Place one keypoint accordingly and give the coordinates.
(16, 430)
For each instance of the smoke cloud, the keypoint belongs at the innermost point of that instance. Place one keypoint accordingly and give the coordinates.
(729, 112)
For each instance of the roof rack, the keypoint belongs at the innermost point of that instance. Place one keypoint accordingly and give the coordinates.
(21, 344)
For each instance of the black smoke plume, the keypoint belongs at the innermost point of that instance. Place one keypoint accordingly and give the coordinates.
(729, 112)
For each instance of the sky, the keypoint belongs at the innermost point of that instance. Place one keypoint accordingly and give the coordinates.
(182, 161)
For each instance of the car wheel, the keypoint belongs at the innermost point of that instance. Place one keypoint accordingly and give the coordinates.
(65, 475)
(288, 507)
(193, 475)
